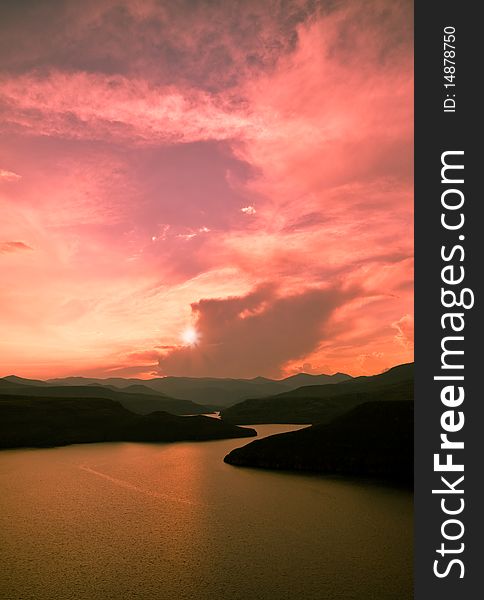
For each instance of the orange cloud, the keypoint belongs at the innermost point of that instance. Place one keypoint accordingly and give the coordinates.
(7, 247)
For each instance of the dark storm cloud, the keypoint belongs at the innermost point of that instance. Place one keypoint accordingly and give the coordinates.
(256, 333)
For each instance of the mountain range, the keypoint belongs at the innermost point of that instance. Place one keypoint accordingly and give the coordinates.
(215, 392)
(76, 410)
(136, 398)
(321, 403)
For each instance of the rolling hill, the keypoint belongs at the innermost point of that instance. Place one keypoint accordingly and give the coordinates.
(137, 398)
(321, 403)
(27, 421)
(374, 439)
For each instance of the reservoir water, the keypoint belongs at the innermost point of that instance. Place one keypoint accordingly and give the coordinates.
(125, 521)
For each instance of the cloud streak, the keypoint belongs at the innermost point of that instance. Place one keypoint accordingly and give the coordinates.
(8, 176)
(7, 247)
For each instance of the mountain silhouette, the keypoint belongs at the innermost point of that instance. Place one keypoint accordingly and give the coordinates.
(29, 421)
(220, 392)
(139, 399)
(321, 403)
(374, 439)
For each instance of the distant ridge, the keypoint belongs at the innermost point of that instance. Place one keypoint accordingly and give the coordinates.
(23, 381)
(221, 393)
(303, 379)
(141, 400)
(216, 391)
(395, 374)
(321, 403)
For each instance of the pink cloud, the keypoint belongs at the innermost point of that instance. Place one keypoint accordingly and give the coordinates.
(177, 159)
(99, 107)
(404, 327)
(8, 176)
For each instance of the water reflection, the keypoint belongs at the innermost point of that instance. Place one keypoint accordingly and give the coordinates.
(147, 521)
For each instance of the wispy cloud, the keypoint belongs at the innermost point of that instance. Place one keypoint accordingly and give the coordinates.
(7, 247)
(9, 175)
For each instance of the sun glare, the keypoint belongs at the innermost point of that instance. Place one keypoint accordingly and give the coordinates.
(189, 336)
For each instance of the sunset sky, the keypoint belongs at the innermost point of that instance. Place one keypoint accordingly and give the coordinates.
(205, 188)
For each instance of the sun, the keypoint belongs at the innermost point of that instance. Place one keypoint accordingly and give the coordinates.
(189, 336)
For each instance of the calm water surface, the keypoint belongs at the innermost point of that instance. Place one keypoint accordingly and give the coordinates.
(132, 521)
